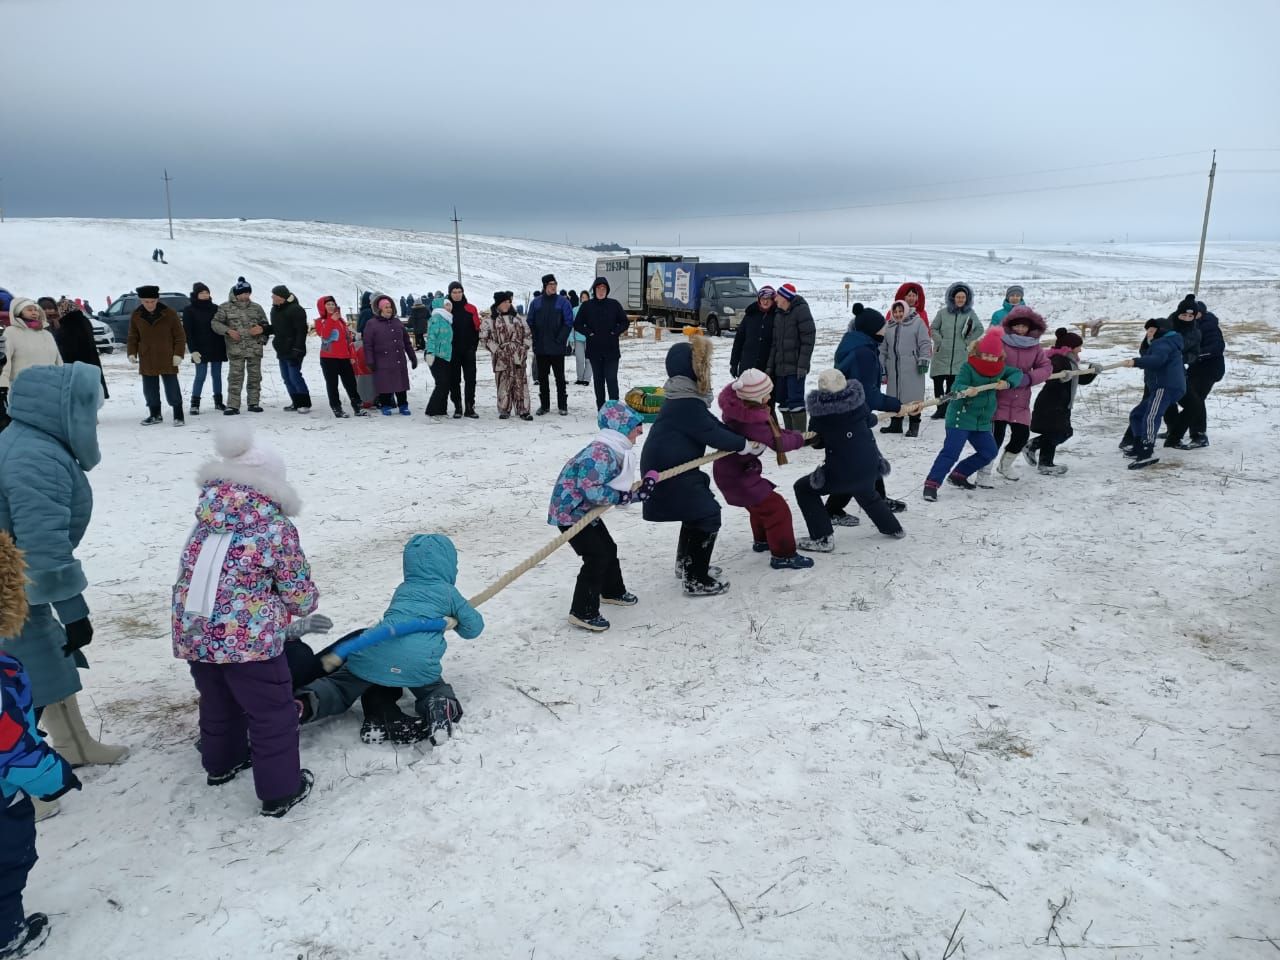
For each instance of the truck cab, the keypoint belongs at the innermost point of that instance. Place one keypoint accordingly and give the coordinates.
(722, 302)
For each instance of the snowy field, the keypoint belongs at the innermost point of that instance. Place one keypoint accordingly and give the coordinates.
(1054, 708)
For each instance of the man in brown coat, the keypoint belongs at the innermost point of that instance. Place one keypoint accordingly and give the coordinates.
(157, 344)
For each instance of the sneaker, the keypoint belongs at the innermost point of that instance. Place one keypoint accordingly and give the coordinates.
(291, 408)
(622, 600)
(896, 506)
(31, 934)
(231, 412)
(543, 411)
(1051, 470)
(796, 562)
(711, 587)
(304, 409)
(179, 422)
(526, 416)
(817, 544)
(153, 420)
(278, 808)
(1197, 443)
(760, 546)
(845, 520)
(341, 414)
(471, 415)
(564, 412)
(931, 493)
(254, 408)
(361, 412)
(1133, 450)
(218, 779)
(964, 483)
(457, 414)
(712, 571)
(596, 624)
(1177, 444)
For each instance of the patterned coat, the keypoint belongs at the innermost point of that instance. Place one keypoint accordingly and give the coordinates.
(264, 580)
(27, 763)
(583, 484)
(242, 317)
(508, 338)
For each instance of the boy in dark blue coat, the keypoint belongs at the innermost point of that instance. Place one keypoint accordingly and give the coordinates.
(838, 414)
(1165, 380)
(684, 429)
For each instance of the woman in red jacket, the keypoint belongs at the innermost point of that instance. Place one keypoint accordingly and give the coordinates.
(337, 350)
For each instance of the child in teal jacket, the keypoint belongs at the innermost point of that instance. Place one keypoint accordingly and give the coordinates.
(970, 415)
(375, 674)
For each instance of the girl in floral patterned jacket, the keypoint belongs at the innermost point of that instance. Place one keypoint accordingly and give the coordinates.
(242, 577)
(601, 474)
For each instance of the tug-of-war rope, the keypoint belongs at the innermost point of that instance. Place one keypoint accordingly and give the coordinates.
(334, 659)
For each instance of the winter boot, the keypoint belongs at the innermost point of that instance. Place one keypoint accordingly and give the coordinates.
(303, 401)
(195, 406)
(596, 624)
(217, 402)
(700, 547)
(504, 416)
(759, 546)
(278, 808)
(231, 412)
(341, 414)
(293, 404)
(404, 410)
(32, 933)
(931, 492)
(1198, 440)
(1008, 461)
(218, 779)
(471, 414)
(817, 544)
(794, 562)
(1144, 456)
(255, 408)
(896, 506)
(387, 411)
(1050, 470)
(895, 426)
(983, 478)
(46, 808)
(70, 738)
(940, 412)
(154, 418)
(843, 519)
(178, 420)
(913, 428)
(963, 482)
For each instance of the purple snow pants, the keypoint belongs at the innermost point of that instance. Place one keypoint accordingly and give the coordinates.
(247, 710)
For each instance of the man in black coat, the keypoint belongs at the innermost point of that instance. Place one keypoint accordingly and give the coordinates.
(1189, 409)
(684, 429)
(1205, 371)
(466, 341)
(602, 321)
(551, 321)
(754, 337)
(208, 349)
(289, 326)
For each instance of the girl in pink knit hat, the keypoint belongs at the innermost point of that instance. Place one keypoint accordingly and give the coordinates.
(744, 406)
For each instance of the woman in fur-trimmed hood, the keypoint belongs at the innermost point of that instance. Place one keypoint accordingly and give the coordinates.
(1022, 329)
(684, 429)
(839, 416)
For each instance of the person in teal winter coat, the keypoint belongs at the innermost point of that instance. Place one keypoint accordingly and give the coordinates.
(954, 328)
(375, 674)
(1012, 298)
(45, 505)
(970, 416)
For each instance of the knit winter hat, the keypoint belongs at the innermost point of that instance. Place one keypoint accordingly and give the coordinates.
(765, 291)
(753, 386)
(455, 285)
(831, 381)
(281, 291)
(250, 463)
(1014, 289)
(548, 278)
(242, 286)
(148, 292)
(17, 305)
(1162, 324)
(617, 416)
(867, 319)
(992, 344)
(1065, 338)
(787, 291)
(1187, 305)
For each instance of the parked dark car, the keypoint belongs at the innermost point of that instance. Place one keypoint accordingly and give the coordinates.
(117, 315)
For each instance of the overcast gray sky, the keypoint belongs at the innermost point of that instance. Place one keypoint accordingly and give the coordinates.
(647, 121)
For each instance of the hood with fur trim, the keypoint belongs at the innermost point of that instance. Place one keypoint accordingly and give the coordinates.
(847, 400)
(1024, 314)
(951, 297)
(692, 361)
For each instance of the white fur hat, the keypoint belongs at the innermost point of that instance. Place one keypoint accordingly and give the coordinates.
(753, 385)
(253, 464)
(831, 381)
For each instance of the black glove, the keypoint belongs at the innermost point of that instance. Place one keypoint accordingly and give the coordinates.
(884, 467)
(79, 635)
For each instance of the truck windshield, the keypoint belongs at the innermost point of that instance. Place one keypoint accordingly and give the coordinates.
(735, 287)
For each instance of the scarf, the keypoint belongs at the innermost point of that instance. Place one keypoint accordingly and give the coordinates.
(202, 594)
(684, 388)
(625, 449)
(988, 368)
(1018, 340)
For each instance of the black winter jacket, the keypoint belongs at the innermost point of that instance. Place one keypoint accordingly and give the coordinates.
(752, 341)
(1052, 410)
(551, 322)
(289, 326)
(196, 321)
(843, 425)
(794, 334)
(1190, 334)
(602, 322)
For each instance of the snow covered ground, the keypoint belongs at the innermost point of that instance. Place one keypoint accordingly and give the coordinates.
(1059, 698)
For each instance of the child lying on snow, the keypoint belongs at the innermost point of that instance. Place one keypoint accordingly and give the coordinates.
(375, 674)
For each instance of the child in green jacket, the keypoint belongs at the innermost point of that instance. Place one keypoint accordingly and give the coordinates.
(970, 415)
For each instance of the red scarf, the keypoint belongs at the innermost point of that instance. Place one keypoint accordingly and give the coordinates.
(988, 368)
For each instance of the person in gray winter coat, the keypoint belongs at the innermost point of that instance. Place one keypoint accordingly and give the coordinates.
(955, 327)
(905, 352)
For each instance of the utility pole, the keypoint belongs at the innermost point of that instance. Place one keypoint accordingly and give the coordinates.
(167, 206)
(1204, 229)
(457, 244)
(1, 199)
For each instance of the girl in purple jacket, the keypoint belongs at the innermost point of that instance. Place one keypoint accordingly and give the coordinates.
(1023, 328)
(744, 406)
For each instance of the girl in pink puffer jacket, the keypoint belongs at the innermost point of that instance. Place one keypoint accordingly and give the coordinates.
(1023, 328)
